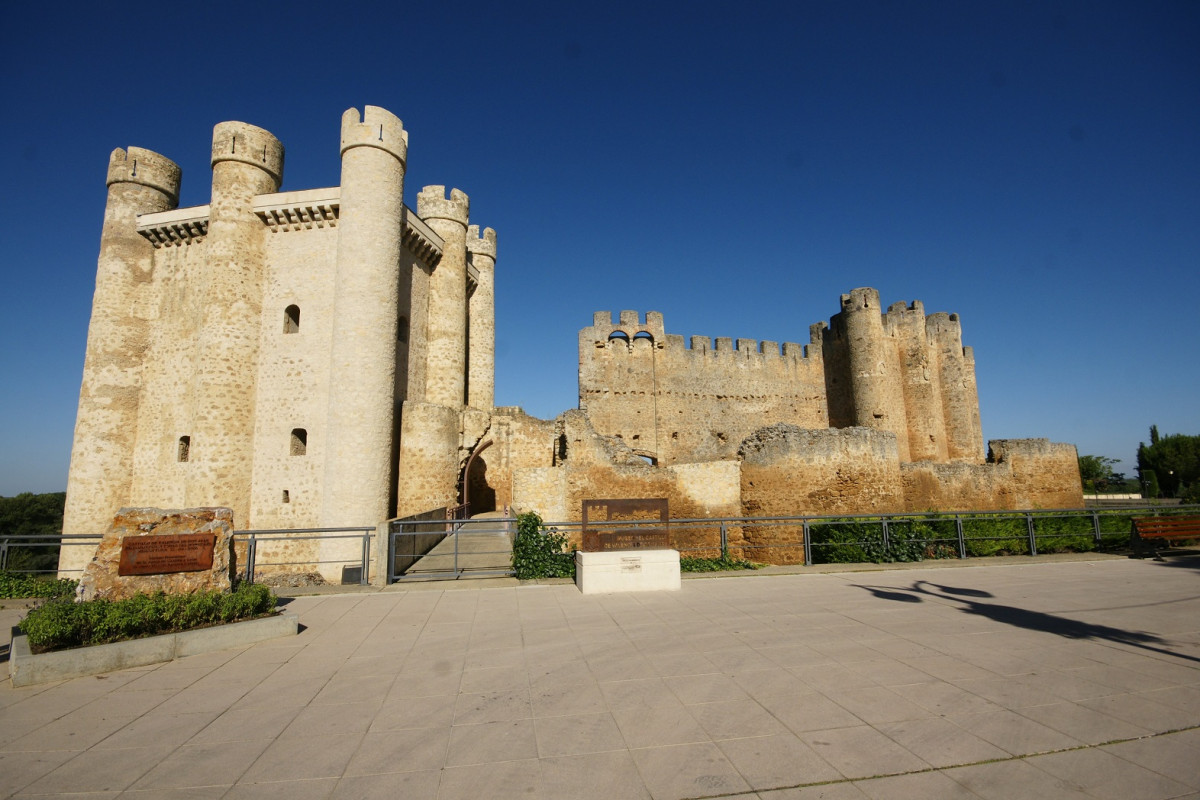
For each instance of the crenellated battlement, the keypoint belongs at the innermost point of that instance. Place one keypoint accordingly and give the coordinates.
(375, 127)
(944, 331)
(146, 168)
(484, 245)
(631, 330)
(248, 144)
(432, 203)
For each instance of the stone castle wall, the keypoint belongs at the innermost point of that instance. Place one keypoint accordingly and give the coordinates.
(896, 371)
(676, 403)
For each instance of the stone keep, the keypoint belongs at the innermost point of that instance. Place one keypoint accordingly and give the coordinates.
(325, 358)
(258, 352)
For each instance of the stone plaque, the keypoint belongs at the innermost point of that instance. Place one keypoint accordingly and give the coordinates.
(156, 555)
(631, 564)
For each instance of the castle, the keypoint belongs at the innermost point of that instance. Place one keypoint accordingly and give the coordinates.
(325, 358)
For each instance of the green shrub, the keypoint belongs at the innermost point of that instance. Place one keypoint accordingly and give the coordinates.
(540, 552)
(843, 542)
(62, 623)
(690, 564)
(15, 585)
(995, 536)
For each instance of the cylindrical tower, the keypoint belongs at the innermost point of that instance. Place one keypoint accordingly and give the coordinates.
(920, 384)
(874, 368)
(960, 397)
(362, 417)
(139, 182)
(481, 316)
(246, 161)
(445, 377)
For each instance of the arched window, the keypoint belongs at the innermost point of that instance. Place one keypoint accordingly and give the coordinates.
(291, 319)
(619, 336)
(185, 448)
(644, 335)
(299, 441)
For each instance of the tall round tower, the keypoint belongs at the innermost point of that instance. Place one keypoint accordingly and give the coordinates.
(447, 349)
(481, 315)
(960, 396)
(139, 182)
(246, 161)
(874, 369)
(920, 383)
(362, 419)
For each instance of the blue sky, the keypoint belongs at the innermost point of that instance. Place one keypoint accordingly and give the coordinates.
(1032, 166)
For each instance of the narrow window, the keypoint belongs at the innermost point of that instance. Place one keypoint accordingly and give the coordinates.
(402, 330)
(287, 498)
(291, 319)
(185, 447)
(299, 441)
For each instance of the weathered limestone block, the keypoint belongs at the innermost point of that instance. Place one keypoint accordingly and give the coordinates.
(100, 578)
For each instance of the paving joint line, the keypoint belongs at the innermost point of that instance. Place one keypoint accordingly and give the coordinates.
(839, 781)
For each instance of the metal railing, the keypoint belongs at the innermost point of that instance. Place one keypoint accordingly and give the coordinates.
(11, 544)
(253, 539)
(862, 538)
(429, 547)
(781, 540)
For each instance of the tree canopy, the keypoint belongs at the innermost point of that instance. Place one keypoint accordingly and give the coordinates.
(1097, 473)
(32, 514)
(1173, 461)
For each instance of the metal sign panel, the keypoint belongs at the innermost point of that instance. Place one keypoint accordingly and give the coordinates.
(153, 555)
(610, 537)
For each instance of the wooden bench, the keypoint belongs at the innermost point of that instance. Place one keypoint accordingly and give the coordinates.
(1149, 532)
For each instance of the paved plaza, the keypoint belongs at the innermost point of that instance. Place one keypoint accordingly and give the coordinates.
(1053, 679)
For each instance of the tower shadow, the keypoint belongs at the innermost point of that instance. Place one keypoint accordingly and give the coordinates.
(1023, 617)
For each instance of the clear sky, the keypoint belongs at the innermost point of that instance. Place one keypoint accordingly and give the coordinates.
(1032, 166)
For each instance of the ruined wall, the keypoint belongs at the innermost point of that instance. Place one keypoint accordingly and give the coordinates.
(1019, 474)
(789, 471)
(680, 404)
(591, 466)
(1045, 474)
(519, 441)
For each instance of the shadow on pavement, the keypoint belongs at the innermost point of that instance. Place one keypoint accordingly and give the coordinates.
(1022, 617)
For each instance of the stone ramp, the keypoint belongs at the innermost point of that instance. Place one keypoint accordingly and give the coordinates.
(481, 547)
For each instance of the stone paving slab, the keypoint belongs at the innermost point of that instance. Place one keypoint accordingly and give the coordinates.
(1065, 678)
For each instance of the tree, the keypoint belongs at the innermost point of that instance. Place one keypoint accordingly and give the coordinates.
(31, 514)
(1096, 472)
(1173, 460)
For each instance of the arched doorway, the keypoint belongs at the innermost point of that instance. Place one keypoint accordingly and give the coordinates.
(474, 488)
